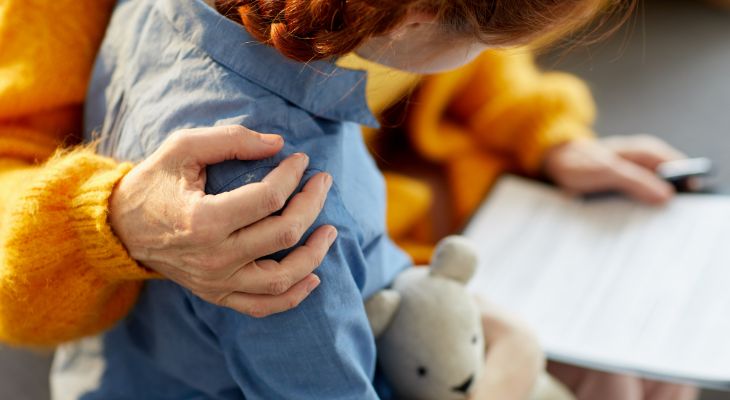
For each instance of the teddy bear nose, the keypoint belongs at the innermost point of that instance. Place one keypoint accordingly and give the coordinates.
(464, 387)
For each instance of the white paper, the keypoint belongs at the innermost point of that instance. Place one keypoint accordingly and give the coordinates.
(611, 283)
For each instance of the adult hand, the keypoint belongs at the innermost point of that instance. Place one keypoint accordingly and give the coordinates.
(625, 164)
(212, 244)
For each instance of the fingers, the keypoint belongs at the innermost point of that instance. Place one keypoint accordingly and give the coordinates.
(275, 278)
(250, 203)
(283, 231)
(259, 306)
(216, 144)
(638, 182)
(623, 164)
(645, 150)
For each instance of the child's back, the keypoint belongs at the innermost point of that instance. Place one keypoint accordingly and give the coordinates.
(167, 65)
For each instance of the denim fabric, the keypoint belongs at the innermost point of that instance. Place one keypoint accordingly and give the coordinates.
(171, 64)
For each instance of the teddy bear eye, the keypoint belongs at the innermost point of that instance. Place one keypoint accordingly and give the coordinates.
(474, 339)
(422, 371)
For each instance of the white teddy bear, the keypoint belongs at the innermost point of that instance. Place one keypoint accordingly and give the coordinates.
(429, 335)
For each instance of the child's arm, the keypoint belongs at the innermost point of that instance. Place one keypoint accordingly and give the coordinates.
(324, 348)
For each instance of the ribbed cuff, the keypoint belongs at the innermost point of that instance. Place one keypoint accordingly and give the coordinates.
(90, 209)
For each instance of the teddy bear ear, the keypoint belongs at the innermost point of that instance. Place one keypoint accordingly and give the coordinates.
(454, 258)
(381, 309)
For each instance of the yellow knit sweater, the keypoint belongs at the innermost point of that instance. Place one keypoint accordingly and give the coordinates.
(63, 273)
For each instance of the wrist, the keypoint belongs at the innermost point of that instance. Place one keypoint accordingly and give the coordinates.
(103, 247)
(551, 163)
(560, 159)
(122, 216)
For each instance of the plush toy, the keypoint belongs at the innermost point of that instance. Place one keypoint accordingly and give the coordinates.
(428, 329)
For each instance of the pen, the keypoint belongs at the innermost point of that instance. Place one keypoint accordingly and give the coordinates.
(689, 174)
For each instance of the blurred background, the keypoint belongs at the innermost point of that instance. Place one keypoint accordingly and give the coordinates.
(667, 73)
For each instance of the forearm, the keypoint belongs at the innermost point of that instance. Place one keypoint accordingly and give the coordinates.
(502, 105)
(525, 120)
(325, 343)
(65, 275)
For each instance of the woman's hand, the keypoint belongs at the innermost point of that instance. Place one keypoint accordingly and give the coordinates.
(211, 244)
(624, 164)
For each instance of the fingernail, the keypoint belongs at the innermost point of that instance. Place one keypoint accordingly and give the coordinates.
(332, 235)
(313, 285)
(271, 140)
(327, 182)
(301, 157)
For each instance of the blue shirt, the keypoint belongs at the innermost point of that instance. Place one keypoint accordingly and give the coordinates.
(171, 64)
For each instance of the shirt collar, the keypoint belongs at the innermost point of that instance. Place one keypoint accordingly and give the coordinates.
(321, 87)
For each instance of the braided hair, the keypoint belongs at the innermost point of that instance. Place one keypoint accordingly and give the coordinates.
(306, 30)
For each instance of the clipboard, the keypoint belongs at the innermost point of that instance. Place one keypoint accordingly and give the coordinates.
(612, 284)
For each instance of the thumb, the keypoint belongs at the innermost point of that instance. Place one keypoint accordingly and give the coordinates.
(216, 144)
(639, 182)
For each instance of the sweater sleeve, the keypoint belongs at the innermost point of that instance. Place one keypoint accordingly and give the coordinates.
(63, 273)
(503, 105)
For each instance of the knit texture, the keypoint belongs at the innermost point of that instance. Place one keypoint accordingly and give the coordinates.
(63, 273)
(498, 114)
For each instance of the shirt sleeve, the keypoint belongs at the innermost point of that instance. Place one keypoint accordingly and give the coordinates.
(324, 348)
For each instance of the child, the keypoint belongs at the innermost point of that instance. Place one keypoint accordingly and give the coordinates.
(168, 64)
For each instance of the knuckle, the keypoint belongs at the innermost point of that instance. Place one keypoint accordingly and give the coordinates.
(235, 131)
(199, 284)
(279, 285)
(293, 303)
(318, 256)
(274, 199)
(290, 235)
(211, 263)
(202, 263)
(179, 138)
(257, 311)
(200, 227)
(313, 257)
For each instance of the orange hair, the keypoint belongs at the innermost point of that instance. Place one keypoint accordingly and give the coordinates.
(306, 30)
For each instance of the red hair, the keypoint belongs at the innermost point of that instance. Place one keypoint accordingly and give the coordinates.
(307, 30)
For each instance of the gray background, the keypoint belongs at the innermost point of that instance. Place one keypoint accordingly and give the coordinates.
(668, 75)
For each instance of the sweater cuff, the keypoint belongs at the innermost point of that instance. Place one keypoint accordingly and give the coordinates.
(556, 133)
(103, 249)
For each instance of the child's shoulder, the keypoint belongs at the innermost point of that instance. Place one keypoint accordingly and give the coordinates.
(167, 65)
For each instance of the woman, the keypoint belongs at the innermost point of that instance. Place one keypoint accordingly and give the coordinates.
(329, 350)
(85, 10)
(53, 215)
